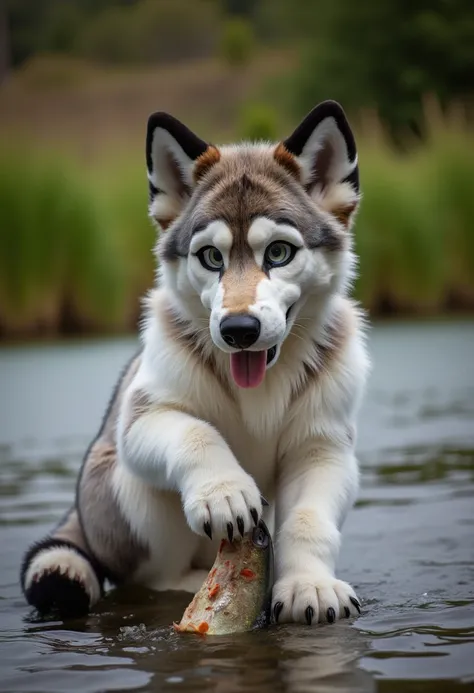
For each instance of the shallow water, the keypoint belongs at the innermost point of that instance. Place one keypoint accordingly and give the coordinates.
(408, 544)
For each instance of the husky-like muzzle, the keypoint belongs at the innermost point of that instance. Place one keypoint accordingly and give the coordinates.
(253, 343)
(242, 332)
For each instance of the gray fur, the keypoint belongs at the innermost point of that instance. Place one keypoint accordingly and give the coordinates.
(70, 529)
(119, 551)
(243, 185)
(111, 544)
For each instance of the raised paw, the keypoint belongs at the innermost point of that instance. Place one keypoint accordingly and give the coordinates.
(223, 507)
(311, 599)
(59, 579)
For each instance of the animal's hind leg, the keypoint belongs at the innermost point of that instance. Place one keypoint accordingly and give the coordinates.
(59, 575)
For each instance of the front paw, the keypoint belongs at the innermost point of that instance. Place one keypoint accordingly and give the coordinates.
(223, 506)
(311, 598)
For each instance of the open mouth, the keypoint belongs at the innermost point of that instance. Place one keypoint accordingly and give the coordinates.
(271, 353)
(289, 311)
(248, 367)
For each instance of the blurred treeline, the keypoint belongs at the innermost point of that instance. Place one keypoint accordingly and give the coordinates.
(79, 78)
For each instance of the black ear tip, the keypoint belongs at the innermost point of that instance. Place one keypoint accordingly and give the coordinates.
(331, 104)
(326, 109)
(160, 118)
(192, 145)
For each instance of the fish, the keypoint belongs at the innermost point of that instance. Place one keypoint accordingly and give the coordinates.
(236, 595)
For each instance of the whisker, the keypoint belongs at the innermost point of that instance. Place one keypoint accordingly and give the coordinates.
(299, 337)
(302, 327)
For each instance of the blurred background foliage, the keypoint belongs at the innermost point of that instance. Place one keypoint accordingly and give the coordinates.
(78, 79)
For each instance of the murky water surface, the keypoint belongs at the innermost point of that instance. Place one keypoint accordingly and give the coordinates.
(408, 544)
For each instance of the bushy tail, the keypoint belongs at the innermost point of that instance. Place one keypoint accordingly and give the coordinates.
(58, 574)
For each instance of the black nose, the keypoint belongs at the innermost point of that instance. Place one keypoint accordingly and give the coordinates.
(240, 331)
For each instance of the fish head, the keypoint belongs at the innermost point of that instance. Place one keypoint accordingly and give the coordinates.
(263, 560)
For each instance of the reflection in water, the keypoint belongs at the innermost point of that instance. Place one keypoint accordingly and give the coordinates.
(408, 546)
(290, 659)
(421, 464)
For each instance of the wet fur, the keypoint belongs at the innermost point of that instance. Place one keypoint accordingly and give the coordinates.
(182, 451)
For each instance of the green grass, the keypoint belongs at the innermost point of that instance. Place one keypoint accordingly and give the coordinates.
(59, 263)
(76, 243)
(415, 230)
(122, 189)
(398, 239)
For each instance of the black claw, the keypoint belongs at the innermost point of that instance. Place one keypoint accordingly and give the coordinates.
(230, 531)
(331, 615)
(264, 500)
(208, 529)
(240, 526)
(309, 613)
(347, 611)
(356, 603)
(254, 514)
(277, 611)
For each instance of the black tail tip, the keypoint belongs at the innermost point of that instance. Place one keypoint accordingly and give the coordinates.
(56, 594)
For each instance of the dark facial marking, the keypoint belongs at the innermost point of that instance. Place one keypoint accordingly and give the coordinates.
(172, 249)
(325, 237)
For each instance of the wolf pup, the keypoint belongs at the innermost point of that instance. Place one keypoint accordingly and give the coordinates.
(248, 380)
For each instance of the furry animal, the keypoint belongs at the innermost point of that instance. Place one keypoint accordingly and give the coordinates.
(248, 381)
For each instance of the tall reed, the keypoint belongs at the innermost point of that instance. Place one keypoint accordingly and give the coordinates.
(76, 244)
(415, 230)
(60, 268)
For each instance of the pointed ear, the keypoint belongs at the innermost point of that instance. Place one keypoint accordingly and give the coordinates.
(324, 150)
(176, 158)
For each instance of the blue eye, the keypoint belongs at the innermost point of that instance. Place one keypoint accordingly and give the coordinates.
(279, 254)
(211, 258)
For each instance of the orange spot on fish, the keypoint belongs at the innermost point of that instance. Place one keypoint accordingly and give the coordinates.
(208, 608)
(203, 627)
(214, 590)
(210, 577)
(223, 543)
(247, 574)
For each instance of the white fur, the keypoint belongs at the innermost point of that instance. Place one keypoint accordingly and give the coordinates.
(203, 453)
(163, 207)
(161, 176)
(224, 453)
(69, 563)
(171, 450)
(335, 197)
(263, 231)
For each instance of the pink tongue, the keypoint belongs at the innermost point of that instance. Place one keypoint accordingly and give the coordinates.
(248, 367)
